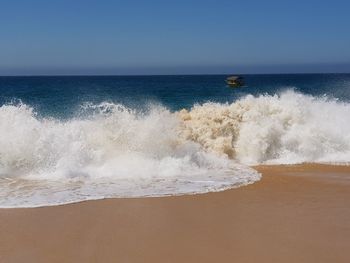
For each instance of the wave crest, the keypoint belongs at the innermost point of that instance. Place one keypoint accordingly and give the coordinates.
(111, 152)
(286, 128)
(114, 151)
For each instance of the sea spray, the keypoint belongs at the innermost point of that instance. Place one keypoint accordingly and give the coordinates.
(286, 128)
(110, 150)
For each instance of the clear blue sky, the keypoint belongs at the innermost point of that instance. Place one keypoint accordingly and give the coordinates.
(173, 37)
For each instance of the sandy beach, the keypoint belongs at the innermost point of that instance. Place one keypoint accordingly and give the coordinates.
(294, 214)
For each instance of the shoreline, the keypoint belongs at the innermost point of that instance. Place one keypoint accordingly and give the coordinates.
(261, 168)
(295, 213)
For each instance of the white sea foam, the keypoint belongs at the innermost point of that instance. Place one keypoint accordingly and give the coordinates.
(117, 152)
(287, 128)
(113, 152)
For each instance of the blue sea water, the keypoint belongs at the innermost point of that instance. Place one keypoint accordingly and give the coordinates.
(60, 96)
(67, 139)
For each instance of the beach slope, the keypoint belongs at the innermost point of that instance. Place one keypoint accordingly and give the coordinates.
(294, 214)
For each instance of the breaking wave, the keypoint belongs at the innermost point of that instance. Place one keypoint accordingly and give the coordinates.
(114, 151)
(288, 128)
(111, 152)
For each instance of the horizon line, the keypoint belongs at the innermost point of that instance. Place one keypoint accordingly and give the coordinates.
(160, 74)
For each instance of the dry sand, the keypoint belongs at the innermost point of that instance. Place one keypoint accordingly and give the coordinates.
(294, 214)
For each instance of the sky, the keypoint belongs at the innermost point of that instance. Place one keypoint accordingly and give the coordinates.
(68, 37)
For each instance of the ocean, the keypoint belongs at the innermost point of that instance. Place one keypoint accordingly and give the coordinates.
(67, 139)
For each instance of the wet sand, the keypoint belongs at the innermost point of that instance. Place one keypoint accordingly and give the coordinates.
(294, 214)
